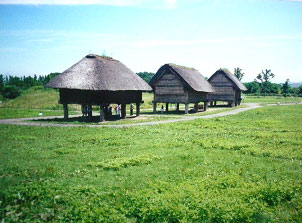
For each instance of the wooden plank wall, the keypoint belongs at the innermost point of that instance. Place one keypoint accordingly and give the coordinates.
(195, 96)
(72, 96)
(170, 89)
(224, 89)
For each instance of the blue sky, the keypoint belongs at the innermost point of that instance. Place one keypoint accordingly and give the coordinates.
(43, 36)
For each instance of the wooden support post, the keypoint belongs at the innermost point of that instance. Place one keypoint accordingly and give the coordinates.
(211, 104)
(102, 115)
(196, 107)
(215, 103)
(186, 108)
(131, 109)
(154, 107)
(89, 109)
(205, 106)
(65, 107)
(123, 110)
(137, 108)
(167, 107)
(177, 107)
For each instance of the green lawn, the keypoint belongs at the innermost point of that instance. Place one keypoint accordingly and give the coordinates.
(271, 99)
(242, 168)
(6, 113)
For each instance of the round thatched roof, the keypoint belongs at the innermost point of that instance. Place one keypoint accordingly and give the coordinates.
(95, 72)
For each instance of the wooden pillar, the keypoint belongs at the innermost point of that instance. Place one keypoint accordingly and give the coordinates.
(167, 107)
(215, 103)
(137, 108)
(186, 108)
(154, 107)
(123, 110)
(131, 109)
(196, 107)
(205, 106)
(89, 111)
(177, 107)
(211, 103)
(102, 115)
(65, 107)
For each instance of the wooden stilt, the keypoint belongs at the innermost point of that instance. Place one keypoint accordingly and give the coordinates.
(167, 107)
(89, 111)
(211, 104)
(196, 107)
(154, 107)
(177, 107)
(137, 109)
(205, 106)
(123, 110)
(186, 108)
(65, 107)
(215, 103)
(102, 115)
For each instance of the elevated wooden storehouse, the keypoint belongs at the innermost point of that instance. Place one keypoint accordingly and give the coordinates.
(227, 88)
(99, 80)
(178, 84)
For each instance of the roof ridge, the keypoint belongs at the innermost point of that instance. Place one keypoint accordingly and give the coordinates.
(181, 66)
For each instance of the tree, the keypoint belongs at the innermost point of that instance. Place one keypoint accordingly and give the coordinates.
(238, 73)
(1, 83)
(299, 91)
(252, 87)
(11, 91)
(285, 88)
(146, 76)
(264, 81)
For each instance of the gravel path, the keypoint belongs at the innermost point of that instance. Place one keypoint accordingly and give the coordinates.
(23, 121)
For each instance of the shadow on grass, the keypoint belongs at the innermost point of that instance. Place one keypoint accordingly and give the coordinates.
(172, 112)
(80, 119)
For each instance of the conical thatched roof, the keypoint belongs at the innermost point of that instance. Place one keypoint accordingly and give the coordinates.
(95, 72)
(190, 76)
(231, 76)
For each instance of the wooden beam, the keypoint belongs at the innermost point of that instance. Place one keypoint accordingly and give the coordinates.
(102, 115)
(123, 110)
(89, 109)
(205, 106)
(154, 107)
(177, 106)
(167, 107)
(186, 108)
(137, 109)
(196, 106)
(65, 107)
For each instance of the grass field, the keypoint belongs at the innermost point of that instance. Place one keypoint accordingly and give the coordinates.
(271, 99)
(242, 168)
(6, 113)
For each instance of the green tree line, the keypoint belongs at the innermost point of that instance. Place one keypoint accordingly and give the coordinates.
(12, 86)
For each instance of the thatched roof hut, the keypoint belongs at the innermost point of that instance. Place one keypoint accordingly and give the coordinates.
(99, 80)
(99, 73)
(227, 87)
(178, 84)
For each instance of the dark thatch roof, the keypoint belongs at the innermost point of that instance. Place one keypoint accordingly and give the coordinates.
(231, 76)
(190, 76)
(95, 72)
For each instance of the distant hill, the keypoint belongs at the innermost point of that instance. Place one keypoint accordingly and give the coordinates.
(296, 84)
(35, 97)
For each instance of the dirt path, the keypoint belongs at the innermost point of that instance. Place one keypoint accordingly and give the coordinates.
(23, 121)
